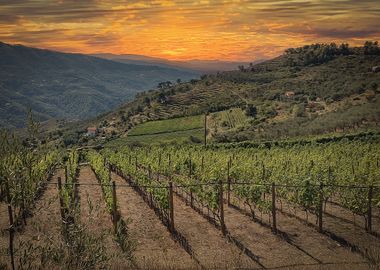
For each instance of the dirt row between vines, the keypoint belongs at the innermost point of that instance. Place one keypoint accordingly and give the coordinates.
(347, 216)
(319, 249)
(42, 232)
(96, 219)
(155, 248)
(299, 247)
(341, 229)
(4, 238)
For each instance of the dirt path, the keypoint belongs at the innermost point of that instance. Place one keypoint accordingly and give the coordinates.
(318, 246)
(96, 220)
(212, 250)
(154, 246)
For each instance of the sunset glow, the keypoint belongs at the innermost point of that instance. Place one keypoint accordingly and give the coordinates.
(184, 29)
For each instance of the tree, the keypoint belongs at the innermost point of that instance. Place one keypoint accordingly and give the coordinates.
(344, 49)
(371, 48)
(147, 101)
(251, 110)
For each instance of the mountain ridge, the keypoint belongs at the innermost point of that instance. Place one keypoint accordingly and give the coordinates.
(69, 85)
(202, 66)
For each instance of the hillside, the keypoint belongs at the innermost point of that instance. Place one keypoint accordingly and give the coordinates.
(305, 91)
(72, 86)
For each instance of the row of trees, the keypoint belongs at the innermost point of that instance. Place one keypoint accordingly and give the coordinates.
(321, 53)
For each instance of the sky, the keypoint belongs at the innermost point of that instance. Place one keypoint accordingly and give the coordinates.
(237, 30)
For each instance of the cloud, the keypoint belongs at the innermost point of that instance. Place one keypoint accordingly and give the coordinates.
(185, 29)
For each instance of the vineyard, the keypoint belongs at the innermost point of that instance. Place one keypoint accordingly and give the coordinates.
(303, 206)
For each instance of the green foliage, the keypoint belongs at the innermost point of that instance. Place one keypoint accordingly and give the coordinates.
(126, 162)
(169, 125)
(297, 169)
(102, 172)
(24, 169)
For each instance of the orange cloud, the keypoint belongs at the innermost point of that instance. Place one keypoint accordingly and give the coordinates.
(185, 29)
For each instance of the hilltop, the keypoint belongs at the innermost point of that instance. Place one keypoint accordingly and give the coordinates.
(59, 85)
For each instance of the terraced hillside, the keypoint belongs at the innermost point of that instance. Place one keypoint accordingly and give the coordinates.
(331, 91)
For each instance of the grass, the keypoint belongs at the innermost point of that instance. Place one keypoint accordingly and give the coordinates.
(169, 125)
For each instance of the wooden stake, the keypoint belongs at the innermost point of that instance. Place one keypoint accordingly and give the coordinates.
(320, 209)
(114, 208)
(369, 213)
(274, 225)
(62, 207)
(221, 208)
(171, 206)
(228, 184)
(8, 193)
(11, 236)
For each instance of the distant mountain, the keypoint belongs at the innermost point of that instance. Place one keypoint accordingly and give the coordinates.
(202, 66)
(71, 86)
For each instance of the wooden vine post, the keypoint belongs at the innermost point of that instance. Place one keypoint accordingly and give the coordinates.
(274, 224)
(171, 207)
(221, 208)
(228, 183)
(62, 208)
(369, 213)
(114, 208)
(150, 181)
(11, 236)
(320, 209)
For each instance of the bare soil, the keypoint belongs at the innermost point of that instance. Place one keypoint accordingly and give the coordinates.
(97, 220)
(355, 236)
(325, 252)
(270, 250)
(4, 236)
(43, 229)
(155, 248)
(211, 248)
(339, 212)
